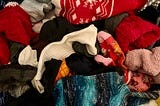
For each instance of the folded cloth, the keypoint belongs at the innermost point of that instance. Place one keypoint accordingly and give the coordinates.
(134, 33)
(144, 60)
(85, 11)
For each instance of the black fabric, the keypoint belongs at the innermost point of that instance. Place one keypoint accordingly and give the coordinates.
(112, 22)
(14, 75)
(38, 45)
(56, 29)
(17, 72)
(49, 75)
(82, 65)
(149, 14)
(15, 49)
(81, 48)
(32, 98)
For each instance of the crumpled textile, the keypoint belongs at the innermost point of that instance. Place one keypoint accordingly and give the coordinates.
(15, 77)
(144, 60)
(106, 89)
(134, 33)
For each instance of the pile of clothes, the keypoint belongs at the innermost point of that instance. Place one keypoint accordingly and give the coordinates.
(79, 53)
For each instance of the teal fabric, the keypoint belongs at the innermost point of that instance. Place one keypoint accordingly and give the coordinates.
(106, 89)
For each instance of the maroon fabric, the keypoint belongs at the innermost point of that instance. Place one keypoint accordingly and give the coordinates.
(85, 11)
(134, 33)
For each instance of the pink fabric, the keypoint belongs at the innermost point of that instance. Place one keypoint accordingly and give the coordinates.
(134, 33)
(143, 60)
(85, 11)
(105, 61)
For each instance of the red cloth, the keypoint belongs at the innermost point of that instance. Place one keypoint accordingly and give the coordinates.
(4, 50)
(110, 48)
(134, 33)
(85, 11)
(138, 82)
(15, 25)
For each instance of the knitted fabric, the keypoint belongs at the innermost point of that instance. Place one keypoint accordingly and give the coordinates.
(134, 33)
(14, 78)
(138, 82)
(4, 53)
(112, 22)
(62, 49)
(110, 48)
(105, 89)
(15, 49)
(28, 56)
(13, 16)
(63, 71)
(105, 61)
(143, 60)
(50, 74)
(85, 11)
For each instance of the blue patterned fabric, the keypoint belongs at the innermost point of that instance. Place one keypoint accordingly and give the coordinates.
(106, 89)
(3, 98)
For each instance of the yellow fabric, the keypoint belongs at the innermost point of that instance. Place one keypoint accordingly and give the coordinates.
(63, 71)
(158, 101)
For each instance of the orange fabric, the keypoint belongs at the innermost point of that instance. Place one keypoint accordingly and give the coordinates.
(64, 71)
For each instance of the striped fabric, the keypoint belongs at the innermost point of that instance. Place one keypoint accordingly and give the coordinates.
(106, 89)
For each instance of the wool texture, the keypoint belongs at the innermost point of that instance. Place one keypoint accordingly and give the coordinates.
(134, 33)
(85, 11)
(105, 89)
(144, 60)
